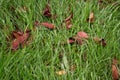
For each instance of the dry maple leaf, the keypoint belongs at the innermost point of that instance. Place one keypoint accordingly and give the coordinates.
(61, 72)
(91, 17)
(48, 25)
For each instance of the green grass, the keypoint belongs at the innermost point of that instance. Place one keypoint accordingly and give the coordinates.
(40, 59)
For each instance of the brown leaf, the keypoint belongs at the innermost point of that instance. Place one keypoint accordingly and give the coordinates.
(71, 40)
(91, 17)
(20, 40)
(100, 41)
(61, 72)
(15, 44)
(68, 21)
(17, 34)
(82, 35)
(48, 25)
(46, 11)
(115, 61)
(78, 40)
(115, 72)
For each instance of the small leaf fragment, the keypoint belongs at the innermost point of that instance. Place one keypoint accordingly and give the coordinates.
(68, 21)
(48, 25)
(71, 40)
(91, 18)
(83, 35)
(61, 72)
(115, 72)
(100, 41)
(46, 11)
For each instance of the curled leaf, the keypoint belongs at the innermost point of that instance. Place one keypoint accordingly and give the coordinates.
(61, 72)
(68, 21)
(46, 11)
(48, 25)
(91, 17)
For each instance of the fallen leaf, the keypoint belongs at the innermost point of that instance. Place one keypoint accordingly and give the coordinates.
(17, 34)
(83, 35)
(48, 25)
(15, 44)
(20, 39)
(115, 72)
(100, 41)
(71, 40)
(46, 11)
(61, 72)
(78, 40)
(115, 61)
(103, 42)
(91, 17)
(68, 21)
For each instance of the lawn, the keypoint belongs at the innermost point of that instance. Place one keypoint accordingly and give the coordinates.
(47, 53)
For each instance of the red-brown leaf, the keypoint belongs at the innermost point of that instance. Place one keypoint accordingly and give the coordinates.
(78, 40)
(17, 34)
(48, 25)
(71, 40)
(68, 21)
(82, 35)
(20, 40)
(15, 44)
(115, 72)
(46, 11)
